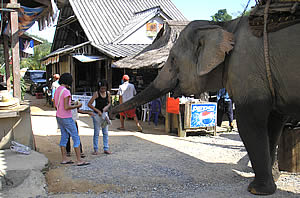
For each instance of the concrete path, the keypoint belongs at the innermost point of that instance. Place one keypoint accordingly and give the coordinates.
(22, 174)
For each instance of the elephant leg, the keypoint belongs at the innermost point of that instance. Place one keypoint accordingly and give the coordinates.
(253, 128)
(275, 127)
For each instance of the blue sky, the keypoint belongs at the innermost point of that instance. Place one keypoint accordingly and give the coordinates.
(191, 9)
(203, 9)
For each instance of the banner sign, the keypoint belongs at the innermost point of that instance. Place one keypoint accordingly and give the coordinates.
(151, 29)
(84, 100)
(203, 115)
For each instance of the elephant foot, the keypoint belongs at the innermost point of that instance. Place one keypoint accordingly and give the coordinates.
(262, 189)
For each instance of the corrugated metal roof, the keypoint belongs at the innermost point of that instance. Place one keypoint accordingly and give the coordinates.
(137, 21)
(104, 20)
(119, 50)
(61, 32)
(65, 49)
(114, 51)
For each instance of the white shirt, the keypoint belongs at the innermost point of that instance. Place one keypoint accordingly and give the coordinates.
(55, 85)
(127, 91)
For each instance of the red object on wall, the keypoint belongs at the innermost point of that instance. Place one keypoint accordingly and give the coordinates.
(173, 105)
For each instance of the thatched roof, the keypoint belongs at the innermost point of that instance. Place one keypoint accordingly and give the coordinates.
(156, 54)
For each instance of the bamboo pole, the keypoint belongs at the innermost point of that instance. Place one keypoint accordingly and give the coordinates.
(6, 58)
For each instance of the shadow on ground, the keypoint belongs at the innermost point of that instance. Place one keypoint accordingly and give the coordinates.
(148, 164)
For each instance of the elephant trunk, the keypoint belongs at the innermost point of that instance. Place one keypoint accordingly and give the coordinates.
(164, 83)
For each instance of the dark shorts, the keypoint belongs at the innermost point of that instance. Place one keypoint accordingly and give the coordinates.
(129, 114)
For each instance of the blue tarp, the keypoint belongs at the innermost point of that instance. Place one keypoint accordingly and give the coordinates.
(28, 16)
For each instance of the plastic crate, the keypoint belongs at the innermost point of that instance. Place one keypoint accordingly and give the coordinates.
(39, 95)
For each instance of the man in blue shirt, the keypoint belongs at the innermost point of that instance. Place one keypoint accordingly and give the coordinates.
(224, 106)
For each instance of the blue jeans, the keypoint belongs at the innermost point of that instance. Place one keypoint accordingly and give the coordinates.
(97, 121)
(68, 128)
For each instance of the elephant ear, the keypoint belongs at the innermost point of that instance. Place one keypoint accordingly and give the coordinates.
(216, 44)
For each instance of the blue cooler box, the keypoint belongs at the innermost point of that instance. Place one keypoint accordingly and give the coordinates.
(200, 115)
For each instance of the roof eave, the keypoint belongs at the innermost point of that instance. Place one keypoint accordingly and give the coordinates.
(65, 51)
(105, 52)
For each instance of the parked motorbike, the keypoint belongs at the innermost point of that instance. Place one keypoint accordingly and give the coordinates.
(48, 93)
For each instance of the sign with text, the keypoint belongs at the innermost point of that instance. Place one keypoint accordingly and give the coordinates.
(84, 100)
(203, 115)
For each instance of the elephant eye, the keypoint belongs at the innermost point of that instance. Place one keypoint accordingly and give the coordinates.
(174, 38)
(199, 46)
(172, 60)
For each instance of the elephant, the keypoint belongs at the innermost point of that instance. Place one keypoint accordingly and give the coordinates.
(208, 56)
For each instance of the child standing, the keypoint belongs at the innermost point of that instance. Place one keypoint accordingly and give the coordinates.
(62, 101)
(103, 102)
(69, 141)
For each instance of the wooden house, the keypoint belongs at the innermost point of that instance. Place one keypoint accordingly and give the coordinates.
(91, 35)
(27, 42)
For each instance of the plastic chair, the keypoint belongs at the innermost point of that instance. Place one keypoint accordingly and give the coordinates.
(155, 110)
(145, 111)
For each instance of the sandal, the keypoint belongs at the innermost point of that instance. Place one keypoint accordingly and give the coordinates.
(95, 153)
(83, 164)
(82, 155)
(140, 129)
(67, 162)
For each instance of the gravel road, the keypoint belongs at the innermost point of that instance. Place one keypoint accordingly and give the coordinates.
(152, 164)
(166, 166)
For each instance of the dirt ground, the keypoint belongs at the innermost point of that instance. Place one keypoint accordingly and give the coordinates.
(47, 142)
(148, 164)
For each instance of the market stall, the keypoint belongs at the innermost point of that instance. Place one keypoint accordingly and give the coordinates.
(192, 116)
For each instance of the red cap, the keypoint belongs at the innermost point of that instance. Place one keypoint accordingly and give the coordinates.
(56, 76)
(126, 77)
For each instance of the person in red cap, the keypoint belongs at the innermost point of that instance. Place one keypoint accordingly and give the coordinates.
(126, 92)
(55, 84)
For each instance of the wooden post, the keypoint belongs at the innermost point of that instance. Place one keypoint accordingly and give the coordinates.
(15, 52)
(108, 73)
(215, 129)
(73, 72)
(167, 119)
(6, 58)
(289, 150)
(167, 123)
(181, 131)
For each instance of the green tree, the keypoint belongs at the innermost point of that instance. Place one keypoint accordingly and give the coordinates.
(221, 16)
(247, 13)
(33, 62)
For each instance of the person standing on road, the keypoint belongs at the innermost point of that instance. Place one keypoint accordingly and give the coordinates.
(224, 106)
(62, 101)
(103, 102)
(55, 84)
(126, 92)
(68, 147)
